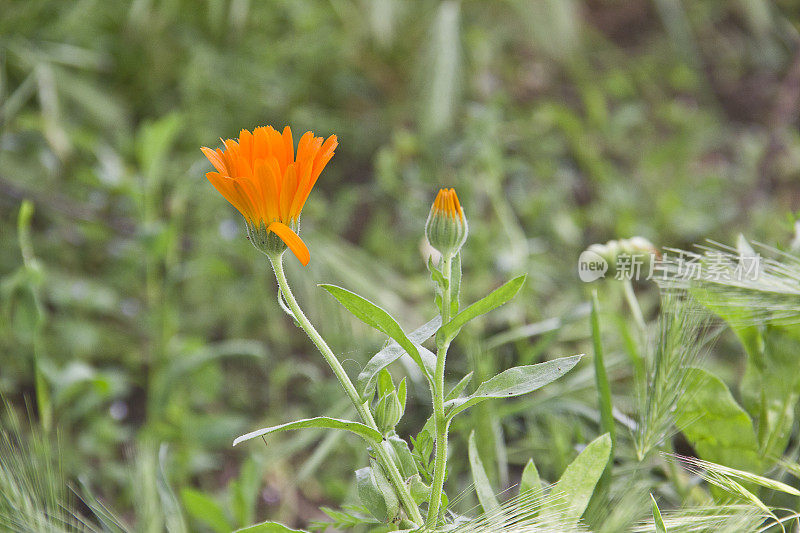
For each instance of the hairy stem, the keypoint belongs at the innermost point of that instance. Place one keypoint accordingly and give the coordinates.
(366, 416)
(442, 426)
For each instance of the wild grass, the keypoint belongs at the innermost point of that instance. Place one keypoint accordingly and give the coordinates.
(750, 284)
(561, 122)
(34, 495)
(682, 338)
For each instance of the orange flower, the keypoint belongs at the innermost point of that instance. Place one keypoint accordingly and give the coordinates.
(261, 177)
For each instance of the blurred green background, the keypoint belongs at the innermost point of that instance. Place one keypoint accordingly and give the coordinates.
(560, 122)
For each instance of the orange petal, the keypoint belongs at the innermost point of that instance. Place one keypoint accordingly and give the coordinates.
(216, 160)
(225, 186)
(265, 175)
(288, 144)
(324, 155)
(300, 196)
(252, 196)
(275, 142)
(304, 144)
(292, 240)
(246, 148)
(260, 143)
(459, 211)
(288, 190)
(232, 158)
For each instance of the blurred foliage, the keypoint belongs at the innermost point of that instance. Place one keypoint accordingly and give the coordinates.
(138, 301)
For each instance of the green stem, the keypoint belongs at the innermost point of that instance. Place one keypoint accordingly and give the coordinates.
(633, 303)
(442, 426)
(600, 375)
(43, 403)
(391, 468)
(604, 398)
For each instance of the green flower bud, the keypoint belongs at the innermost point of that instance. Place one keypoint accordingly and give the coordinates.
(388, 412)
(446, 228)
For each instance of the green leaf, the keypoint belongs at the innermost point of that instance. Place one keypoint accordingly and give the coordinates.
(422, 450)
(436, 275)
(374, 316)
(173, 517)
(385, 383)
(530, 478)
(154, 140)
(770, 383)
(376, 493)
(530, 487)
(269, 527)
(714, 423)
(244, 490)
(577, 483)
(491, 507)
(398, 449)
(367, 433)
(204, 509)
(459, 387)
(770, 387)
(455, 284)
(391, 353)
(491, 301)
(514, 382)
(657, 520)
(402, 394)
(419, 490)
(345, 519)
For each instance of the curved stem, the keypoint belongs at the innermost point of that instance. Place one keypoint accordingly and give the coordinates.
(391, 468)
(442, 426)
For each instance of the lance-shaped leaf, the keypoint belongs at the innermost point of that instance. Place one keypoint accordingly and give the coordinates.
(367, 433)
(491, 301)
(374, 316)
(376, 493)
(483, 488)
(577, 483)
(459, 387)
(530, 480)
(514, 382)
(391, 353)
(657, 520)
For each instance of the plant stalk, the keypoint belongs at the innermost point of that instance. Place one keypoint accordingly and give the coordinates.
(633, 304)
(391, 468)
(44, 405)
(442, 426)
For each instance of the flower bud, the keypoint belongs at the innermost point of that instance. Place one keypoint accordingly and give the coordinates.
(389, 412)
(446, 228)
